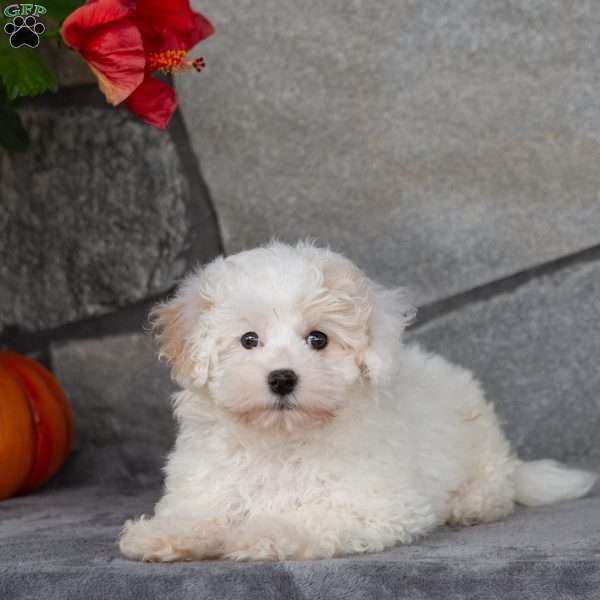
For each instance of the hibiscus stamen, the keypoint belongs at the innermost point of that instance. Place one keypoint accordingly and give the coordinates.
(172, 61)
(199, 64)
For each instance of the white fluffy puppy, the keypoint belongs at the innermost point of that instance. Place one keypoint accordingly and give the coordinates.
(307, 430)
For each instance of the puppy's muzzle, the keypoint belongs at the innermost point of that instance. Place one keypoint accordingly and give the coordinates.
(282, 381)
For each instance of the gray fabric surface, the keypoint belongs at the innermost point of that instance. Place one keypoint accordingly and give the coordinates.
(60, 544)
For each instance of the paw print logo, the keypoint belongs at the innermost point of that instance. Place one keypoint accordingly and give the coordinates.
(24, 31)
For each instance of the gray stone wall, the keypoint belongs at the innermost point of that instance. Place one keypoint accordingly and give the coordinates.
(90, 227)
(439, 144)
(103, 212)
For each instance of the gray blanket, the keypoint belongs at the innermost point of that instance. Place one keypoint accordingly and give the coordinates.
(61, 544)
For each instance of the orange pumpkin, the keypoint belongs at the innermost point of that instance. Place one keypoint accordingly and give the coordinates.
(36, 425)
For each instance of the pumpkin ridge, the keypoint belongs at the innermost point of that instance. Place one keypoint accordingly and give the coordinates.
(20, 415)
(56, 391)
(43, 438)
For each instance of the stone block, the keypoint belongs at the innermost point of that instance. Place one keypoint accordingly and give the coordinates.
(536, 351)
(441, 145)
(120, 395)
(97, 215)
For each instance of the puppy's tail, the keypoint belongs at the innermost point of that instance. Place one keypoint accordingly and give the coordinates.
(547, 481)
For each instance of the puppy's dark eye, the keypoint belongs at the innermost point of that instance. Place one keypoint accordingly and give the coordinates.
(249, 340)
(317, 340)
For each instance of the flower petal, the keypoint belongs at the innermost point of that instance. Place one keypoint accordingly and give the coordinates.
(105, 34)
(170, 25)
(116, 56)
(153, 101)
(79, 25)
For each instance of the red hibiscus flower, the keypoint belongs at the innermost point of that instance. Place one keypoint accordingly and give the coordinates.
(125, 41)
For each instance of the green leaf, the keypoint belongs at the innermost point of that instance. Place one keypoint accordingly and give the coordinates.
(13, 136)
(23, 71)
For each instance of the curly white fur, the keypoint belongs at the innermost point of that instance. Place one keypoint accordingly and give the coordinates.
(381, 443)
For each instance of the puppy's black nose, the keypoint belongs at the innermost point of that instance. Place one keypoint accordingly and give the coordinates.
(282, 382)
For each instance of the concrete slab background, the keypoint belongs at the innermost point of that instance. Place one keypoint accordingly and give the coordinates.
(440, 145)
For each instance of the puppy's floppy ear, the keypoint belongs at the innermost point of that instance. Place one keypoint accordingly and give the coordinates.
(172, 330)
(391, 312)
(341, 300)
(372, 318)
(181, 326)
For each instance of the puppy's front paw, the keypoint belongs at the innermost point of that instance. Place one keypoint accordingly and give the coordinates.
(269, 548)
(167, 540)
(271, 539)
(146, 539)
